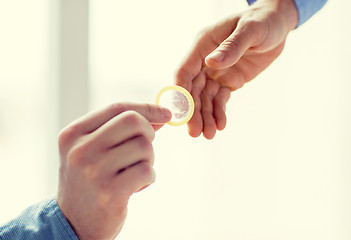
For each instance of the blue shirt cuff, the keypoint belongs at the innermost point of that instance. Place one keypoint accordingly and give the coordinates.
(305, 8)
(38, 222)
(250, 1)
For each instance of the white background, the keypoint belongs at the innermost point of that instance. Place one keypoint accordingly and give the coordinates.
(280, 170)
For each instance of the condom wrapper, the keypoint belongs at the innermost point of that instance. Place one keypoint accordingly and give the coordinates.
(179, 101)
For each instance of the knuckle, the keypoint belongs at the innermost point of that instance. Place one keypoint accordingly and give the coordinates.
(77, 155)
(132, 119)
(150, 109)
(144, 144)
(231, 43)
(138, 124)
(183, 76)
(146, 148)
(146, 171)
(211, 88)
(117, 107)
(233, 84)
(67, 135)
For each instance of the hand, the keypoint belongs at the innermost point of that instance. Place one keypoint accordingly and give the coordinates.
(228, 55)
(106, 156)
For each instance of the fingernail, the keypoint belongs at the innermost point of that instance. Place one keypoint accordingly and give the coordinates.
(217, 55)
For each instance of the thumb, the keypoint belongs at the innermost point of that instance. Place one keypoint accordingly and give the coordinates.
(231, 49)
(158, 116)
(155, 114)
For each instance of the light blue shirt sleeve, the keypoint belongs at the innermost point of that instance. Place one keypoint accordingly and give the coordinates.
(305, 8)
(41, 221)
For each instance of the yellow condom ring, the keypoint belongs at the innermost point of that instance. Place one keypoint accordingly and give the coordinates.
(179, 101)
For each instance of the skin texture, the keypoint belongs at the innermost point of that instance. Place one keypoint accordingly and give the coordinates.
(229, 54)
(106, 156)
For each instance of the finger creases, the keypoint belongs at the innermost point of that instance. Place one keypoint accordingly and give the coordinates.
(121, 128)
(94, 120)
(195, 125)
(190, 68)
(133, 179)
(207, 97)
(123, 156)
(219, 103)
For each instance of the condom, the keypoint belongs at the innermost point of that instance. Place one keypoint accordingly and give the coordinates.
(179, 101)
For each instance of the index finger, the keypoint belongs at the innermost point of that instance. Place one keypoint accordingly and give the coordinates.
(153, 113)
(188, 71)
(193, 63)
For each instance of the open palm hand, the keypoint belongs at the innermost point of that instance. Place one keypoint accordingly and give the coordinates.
(225, 57)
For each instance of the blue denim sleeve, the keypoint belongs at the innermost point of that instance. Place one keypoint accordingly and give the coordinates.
(39, 222)
(305, 8)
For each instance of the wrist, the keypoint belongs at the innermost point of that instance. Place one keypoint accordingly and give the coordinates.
(289, 11)
(285, 8)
